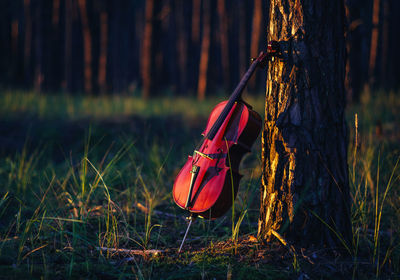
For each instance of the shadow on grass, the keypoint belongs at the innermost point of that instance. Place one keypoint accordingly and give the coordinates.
(60, 137)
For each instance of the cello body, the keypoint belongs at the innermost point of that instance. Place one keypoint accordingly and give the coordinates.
(208, 182)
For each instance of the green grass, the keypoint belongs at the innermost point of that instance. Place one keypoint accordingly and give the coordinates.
(77, 173)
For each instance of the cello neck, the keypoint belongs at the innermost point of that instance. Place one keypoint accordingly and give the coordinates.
(235, 96)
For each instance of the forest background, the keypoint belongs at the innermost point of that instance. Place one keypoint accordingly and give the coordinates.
(178, 47)
(102, 101)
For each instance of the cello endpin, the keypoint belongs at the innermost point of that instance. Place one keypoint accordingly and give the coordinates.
(191, 218)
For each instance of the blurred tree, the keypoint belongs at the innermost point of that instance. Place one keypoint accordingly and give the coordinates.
(205, 51)
(374, 44)
(147, 49)
(102, 81)
(56, 13)
(385, 43)
(182, 45)
(223, 41)
(14, 41)
(27, 41)
(14, 36)
(394, 45)
(119, 46)
(54, 75)
(305, 184)
(38, 39)
(255, 35)
(196, 21)
(348, 78)
(67, 83)
(242, 48)
(87, 46)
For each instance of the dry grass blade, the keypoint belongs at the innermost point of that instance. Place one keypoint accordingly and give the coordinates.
(33, 251)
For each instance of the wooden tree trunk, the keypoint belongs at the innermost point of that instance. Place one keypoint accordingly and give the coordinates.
(304, 142)
(27, 40)
(348, 78)
(67, 83)
(147, 49)
(374, 43)
(243, 58)
(14, 38)
(196, 21)
(224, 42)
(385, 44)
(55, 51)
(38, 39)
(102, 81)
(255, 35)
(182, 45)
(205, 51)
(87, 47)
(55, 13)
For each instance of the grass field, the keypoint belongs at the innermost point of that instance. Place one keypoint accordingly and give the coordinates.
(79, 173)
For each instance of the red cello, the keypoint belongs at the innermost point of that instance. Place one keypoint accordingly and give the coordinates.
(207, 184)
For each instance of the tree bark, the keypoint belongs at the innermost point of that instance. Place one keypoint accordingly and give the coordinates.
(304, 142)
